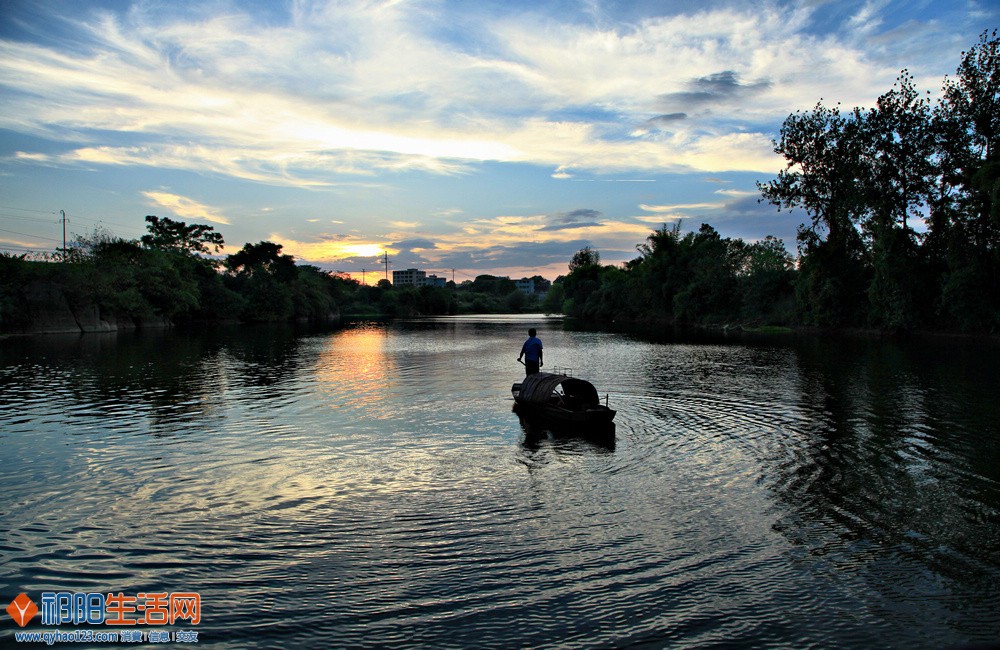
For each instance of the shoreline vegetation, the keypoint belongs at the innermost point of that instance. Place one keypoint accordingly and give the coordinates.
(903, 230)
(102, 283)
(903, 236)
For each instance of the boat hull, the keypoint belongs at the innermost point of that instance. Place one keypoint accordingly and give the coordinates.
(595, 416)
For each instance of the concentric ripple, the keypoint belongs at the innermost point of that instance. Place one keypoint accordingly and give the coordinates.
(370, 487)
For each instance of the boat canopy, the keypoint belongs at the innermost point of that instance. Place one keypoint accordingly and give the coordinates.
(538, 388)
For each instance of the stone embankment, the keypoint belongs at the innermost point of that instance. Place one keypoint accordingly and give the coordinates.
(47, 310)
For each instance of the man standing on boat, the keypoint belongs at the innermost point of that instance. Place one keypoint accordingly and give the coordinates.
(532, 353)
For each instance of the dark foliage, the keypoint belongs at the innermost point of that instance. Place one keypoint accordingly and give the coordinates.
(164, 276)
(903, 230)
(695, 279)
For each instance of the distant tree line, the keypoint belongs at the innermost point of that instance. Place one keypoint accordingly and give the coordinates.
(903, 201)
(170, 274)
(487, 294)
(692, 279)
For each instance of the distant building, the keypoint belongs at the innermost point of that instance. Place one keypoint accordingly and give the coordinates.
(525, 285)
(409, 278)
(532, 286)
(416, 278)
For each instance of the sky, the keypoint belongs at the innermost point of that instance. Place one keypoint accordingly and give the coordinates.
(457, 137)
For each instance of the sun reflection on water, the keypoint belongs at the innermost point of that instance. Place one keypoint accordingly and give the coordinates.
(353, 369)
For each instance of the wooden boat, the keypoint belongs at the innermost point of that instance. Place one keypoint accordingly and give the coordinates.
(561, 399)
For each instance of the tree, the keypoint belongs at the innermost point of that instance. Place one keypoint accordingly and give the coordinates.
(766, 273)
(898, 143)
(264, 257)
(964, 237)
(492, 285)
(553, 302)
(586, 256)
(824, 176)
(268, 281)
(709, 295)
(822, 149)
(659, 271)
(177, 236)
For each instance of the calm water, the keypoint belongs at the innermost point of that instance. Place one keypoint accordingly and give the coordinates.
(370, 487)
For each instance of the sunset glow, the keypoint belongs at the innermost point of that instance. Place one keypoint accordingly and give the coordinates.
(484, 137)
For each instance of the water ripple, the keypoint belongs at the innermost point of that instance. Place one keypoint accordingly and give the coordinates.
(370, 487)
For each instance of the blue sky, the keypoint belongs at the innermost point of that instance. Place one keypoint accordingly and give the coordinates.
(485, 137)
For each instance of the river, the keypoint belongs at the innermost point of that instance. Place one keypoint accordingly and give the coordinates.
(369, 486)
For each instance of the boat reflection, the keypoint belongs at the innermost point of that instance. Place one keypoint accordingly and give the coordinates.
(540, 431)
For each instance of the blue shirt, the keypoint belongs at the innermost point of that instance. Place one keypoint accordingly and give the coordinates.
(531, 348)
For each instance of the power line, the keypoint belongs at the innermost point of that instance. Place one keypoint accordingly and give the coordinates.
(9, 207)
(23, 234)
(20, 218)
(74, 215)
(110, 223)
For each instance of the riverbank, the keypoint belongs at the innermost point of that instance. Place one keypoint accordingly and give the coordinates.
(669, 332)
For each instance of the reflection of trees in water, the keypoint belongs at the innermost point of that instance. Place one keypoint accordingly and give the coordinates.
(881, 456)
(162, 375)
(565, 440)
(896, 462)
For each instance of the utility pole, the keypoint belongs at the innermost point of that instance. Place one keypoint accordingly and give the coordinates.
(64, 234)
(363, 275)
(385, 255)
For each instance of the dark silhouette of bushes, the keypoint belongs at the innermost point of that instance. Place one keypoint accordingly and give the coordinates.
(168, 277)
(695, 279)
(903, 230)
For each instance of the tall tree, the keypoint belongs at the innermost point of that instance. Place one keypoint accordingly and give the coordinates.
(965, 217)
(177, 236)
(823, 152)
(898, 143)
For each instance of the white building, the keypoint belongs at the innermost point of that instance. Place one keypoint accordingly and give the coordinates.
(525, 285)
(409, 278)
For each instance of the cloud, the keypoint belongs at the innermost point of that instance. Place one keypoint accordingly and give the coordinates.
(185, 207)
(309, 95)
(738, 193)
(485, 243)
(414, 244)
(582, 218)
(741, 215)
(568, 226)
(680, 206)
(665, 121)
(712, 91)
(520, 255)
(227, 94)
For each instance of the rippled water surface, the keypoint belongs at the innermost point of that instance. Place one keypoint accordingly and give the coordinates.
(370, 487)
